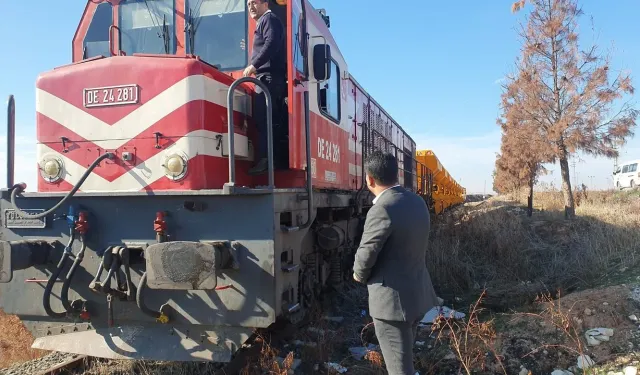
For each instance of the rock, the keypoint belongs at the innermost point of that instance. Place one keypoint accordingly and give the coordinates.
(584, 362)
(450, 355)
(630, 370)
(419, 343)
(605, 303)
(561, 372)
(633, 318)
(524, 371)
(588, 312)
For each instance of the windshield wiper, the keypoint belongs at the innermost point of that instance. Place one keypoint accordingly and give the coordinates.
(165, 34)
(165, 29)
(189, 28)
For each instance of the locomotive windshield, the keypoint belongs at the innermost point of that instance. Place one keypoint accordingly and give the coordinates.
(216, 30)
(147, 26)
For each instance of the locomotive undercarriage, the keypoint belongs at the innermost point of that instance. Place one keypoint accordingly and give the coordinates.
(213, 268)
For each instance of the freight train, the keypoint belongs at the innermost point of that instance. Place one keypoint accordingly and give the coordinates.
(146, 237)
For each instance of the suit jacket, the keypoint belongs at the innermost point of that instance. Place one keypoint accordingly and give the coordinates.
(391, 258)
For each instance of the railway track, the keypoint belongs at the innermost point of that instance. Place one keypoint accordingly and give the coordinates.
(57, 363)
(73, 363)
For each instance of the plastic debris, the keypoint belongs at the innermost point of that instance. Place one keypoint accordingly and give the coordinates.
(597, 335)
(337, 367)
(358, 352)
(431, 315)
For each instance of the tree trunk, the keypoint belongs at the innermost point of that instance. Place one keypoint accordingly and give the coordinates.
(530, 198)
(569, 208)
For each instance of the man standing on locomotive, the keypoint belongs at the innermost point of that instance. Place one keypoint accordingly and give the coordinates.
(268, 63)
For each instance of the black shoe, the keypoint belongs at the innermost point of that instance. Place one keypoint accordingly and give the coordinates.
(261, 167)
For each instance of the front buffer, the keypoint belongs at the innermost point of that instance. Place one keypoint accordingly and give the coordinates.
(176, 277)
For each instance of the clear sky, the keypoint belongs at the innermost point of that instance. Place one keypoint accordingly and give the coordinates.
(434, 66)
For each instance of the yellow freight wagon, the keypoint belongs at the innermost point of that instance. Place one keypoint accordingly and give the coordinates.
(444, 191)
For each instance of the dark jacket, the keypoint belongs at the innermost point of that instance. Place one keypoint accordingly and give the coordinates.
(391, 258)
(269, 49)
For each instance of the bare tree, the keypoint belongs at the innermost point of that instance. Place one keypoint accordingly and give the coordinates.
(522, 156)
(565, 92)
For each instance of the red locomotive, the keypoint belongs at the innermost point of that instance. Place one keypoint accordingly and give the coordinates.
(144, 143)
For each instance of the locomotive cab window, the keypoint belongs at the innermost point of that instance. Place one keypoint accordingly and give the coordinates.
(147, 26)
(217, 32)
(329, 94)
(96, 42)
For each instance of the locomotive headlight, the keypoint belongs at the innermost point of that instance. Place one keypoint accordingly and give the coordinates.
(175, 166)
(51, 168)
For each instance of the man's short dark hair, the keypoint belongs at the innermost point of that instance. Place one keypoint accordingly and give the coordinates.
(382, 167)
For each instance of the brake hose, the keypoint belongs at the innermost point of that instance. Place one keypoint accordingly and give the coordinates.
(46, 303)
(158, 315)
(64, 294)
(19, 188)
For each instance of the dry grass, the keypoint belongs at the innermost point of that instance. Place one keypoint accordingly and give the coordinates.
(495, 245)
(471, 341)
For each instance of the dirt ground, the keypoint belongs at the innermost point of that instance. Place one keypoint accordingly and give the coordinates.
(15, 342)
(552, 336)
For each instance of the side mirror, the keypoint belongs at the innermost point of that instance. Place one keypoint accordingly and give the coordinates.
(321, 60)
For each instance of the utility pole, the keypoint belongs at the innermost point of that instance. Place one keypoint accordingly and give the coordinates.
(575, 177)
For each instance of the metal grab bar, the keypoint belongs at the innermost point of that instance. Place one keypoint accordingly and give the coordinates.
(232, 156)
(307, 128)
(11, 140)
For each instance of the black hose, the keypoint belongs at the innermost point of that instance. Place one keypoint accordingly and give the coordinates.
(19, 188)
(158, 315)
(64, 294)
(46, 303)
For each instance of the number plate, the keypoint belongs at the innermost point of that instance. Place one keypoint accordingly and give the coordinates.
(111, 95)
(13, 220)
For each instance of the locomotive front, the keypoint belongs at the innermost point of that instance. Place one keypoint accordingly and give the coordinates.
(131, 248)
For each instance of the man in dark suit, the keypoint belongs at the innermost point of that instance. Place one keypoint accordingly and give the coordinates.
(391, 260)
(268, 63)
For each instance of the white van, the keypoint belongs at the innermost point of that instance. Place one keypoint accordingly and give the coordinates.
(627, 175)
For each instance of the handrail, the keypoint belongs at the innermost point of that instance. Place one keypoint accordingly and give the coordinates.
(11, 140)
(232, 157)
(307, 128)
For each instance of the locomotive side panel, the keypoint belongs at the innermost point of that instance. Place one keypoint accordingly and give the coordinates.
(330, 123)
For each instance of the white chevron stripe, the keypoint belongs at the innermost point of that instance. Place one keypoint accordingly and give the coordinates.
(195, 87)
(199, 142)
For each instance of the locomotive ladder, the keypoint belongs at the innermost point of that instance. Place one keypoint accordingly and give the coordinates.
(230, 187)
